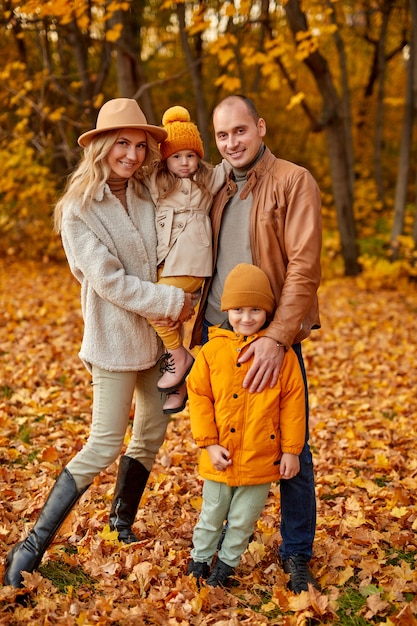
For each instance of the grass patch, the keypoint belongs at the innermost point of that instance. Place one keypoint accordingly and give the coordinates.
(6, 391)
(63, 576)
(25, 433)
(350, 604)
(394, 557)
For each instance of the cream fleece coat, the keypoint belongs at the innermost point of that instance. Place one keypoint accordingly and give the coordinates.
(112, 253)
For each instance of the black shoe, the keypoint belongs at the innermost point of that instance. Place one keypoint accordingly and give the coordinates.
(220, 574)
(300, 576)
(198, 570)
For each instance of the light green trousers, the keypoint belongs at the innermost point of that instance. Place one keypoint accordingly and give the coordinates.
(241, 506)
(113, 394)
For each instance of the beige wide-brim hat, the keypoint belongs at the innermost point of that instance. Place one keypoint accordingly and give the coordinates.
(121, 113)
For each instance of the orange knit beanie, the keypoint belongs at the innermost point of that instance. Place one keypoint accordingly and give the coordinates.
(247, 285)
(182, 133)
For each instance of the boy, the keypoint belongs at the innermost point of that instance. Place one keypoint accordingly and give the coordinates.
(247, 439)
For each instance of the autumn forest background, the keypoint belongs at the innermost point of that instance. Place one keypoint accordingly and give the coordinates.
(336, 81)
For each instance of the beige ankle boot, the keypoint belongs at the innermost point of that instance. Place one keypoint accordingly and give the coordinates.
(176, 400)
(176, 368)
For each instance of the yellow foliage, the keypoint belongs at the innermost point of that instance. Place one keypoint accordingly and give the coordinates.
(380, 273)
(27, 198)
(394, 102)
(275, 48)
(56, 115)
(251, 57)
(229, 9)
(114, 33)
(245, 7)
(222, 42)
(306, 47)
(98, 100)
(225, 56)
(109, 535)
(230, 83)
(295, 100)
(199, 23)
(274, 82)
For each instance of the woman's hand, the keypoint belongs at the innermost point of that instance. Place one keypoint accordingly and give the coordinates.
(186, 314)
(188, 308)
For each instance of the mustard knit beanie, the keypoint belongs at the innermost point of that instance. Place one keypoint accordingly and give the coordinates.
(247, 285)
(182, 133)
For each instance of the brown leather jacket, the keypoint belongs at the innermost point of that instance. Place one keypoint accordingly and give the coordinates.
(285, 234)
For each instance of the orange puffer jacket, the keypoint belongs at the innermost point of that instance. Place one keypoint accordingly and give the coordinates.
(256, 428)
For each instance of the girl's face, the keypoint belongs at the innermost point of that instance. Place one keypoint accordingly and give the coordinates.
(247, 320)
(183, 163)
(127, 153)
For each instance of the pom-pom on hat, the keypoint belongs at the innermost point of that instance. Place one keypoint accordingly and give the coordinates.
(182, 133)
(121, 113)
(247, 285)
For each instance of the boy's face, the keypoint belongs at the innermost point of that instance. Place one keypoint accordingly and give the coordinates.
(247, 320)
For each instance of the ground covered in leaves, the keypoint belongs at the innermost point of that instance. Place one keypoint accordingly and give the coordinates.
(362, 369)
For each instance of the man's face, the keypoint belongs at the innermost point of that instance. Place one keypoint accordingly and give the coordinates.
(238, 136)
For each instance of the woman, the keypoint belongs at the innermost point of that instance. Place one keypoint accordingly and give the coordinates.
(107, 223)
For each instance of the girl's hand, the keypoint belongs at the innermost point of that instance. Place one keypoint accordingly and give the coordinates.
(219, 456)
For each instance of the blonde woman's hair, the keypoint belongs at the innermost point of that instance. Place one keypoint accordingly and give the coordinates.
(167, 182)
(93, 171)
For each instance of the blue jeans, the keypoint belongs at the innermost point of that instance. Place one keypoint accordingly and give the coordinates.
(298, 496)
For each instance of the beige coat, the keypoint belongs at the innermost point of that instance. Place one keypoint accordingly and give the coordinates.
(183, 226)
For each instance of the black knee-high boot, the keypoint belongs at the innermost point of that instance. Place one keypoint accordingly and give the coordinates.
(130, 485)
(27, 554)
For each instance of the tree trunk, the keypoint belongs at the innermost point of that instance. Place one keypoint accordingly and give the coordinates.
(413, 53)
(406, 142)
(194, 66)
(130, 74)
(347, 114)
(379, 122)
(334, 124)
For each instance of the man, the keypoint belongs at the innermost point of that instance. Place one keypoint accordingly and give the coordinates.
(269, 213)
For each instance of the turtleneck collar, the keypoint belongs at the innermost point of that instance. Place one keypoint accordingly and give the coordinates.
(240, 173)
(118, 188)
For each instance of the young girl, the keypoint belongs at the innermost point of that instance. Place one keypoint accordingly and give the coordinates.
(106, 220)
(182, 189)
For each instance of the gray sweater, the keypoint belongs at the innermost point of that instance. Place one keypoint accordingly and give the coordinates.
(112, 253)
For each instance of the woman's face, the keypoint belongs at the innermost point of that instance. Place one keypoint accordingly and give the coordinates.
(127, 153)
